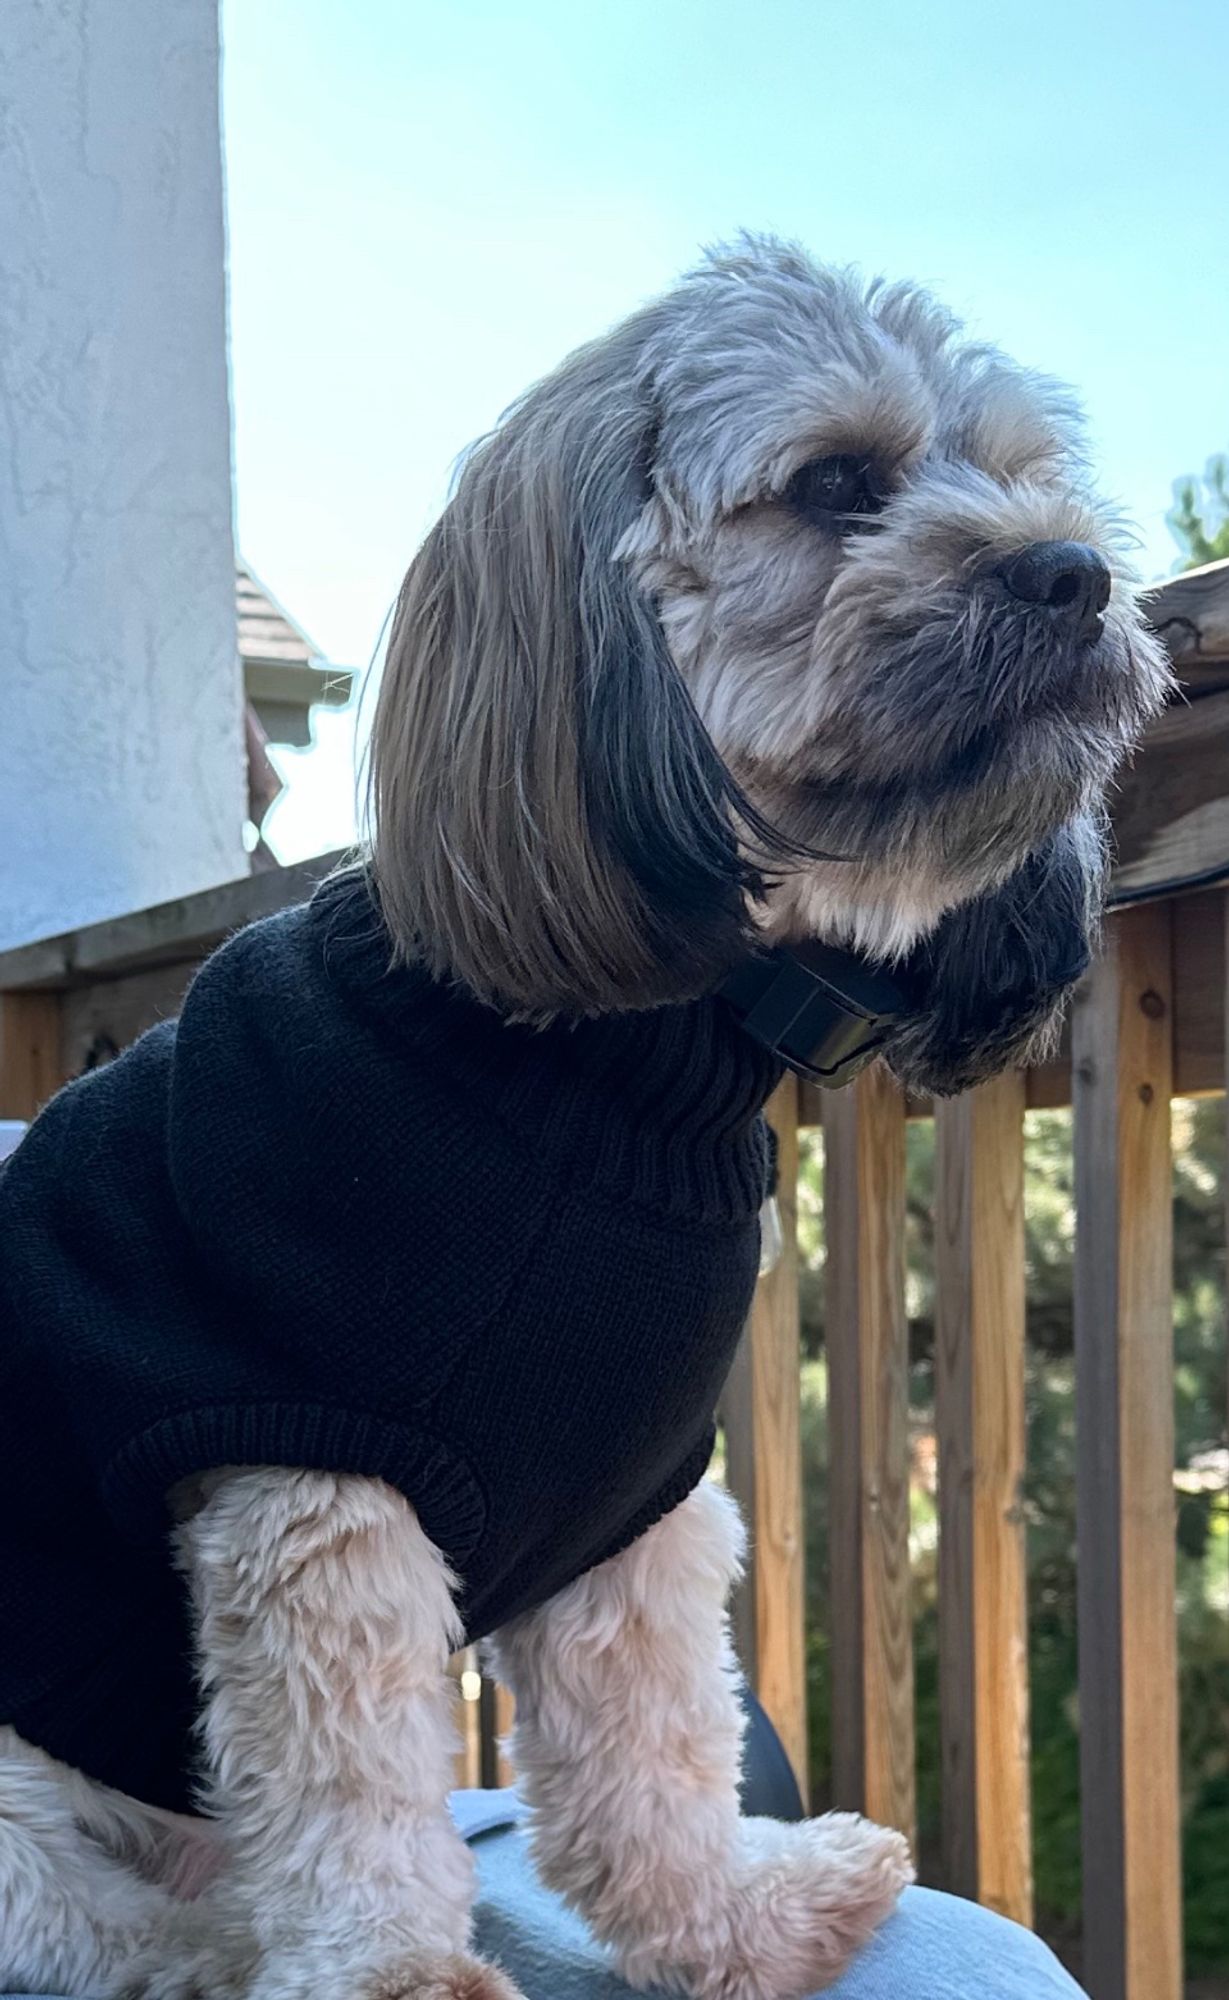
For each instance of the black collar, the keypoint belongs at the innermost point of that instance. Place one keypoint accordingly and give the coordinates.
(823, 1011)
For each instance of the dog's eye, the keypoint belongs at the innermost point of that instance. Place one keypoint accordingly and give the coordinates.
(844, 484)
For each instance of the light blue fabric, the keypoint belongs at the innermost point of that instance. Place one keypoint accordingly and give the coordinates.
(934, 1947)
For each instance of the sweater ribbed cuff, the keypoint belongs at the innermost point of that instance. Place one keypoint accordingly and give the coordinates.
(438, 1483)
(668, 1497)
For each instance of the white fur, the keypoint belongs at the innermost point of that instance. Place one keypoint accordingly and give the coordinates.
(834, 663)
(330, 1868)
(69, 1913)
(326, 1619)
(326, 1622)
(874, 909)
(334, 1873)
(627, 1739)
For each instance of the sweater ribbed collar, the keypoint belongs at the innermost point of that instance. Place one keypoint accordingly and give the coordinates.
(658, 1109)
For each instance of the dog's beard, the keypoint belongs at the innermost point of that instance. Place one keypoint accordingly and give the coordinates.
(980, 688)
(990, 984)
(962, 794)
(939, 758)
(909, 847)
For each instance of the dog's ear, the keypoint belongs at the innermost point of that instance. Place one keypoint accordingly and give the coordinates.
(993, 979)
(551, 823)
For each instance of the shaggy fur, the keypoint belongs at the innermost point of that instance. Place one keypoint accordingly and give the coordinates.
(688, 690)
(720, 1907)
(719, 640)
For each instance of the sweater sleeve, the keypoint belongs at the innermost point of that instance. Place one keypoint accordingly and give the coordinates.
(436, 1480)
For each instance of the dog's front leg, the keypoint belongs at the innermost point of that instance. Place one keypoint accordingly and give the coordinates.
(627, 1741)
(325, 1620)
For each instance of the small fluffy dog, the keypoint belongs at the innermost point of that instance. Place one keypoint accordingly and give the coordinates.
(405, 1268)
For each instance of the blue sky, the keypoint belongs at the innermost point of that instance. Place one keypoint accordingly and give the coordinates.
(429, 204)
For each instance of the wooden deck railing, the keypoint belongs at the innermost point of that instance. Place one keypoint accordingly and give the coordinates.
(1138, 1035)
(1149, 1023)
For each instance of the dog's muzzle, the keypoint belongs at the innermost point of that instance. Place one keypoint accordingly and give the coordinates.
(824, 1012)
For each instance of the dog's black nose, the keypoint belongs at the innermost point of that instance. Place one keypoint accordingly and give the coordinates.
(1063, 576)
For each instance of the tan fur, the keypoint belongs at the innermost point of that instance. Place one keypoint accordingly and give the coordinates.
(628, 522)
(326, 1619)
(458, 1978)
(640, 711)
(325, 1624)
(626, 1745)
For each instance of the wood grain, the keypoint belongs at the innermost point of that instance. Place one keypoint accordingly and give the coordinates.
(1122, 1044)
(496, 1710)
(1191, 613)
(505, 1716)
(467, 1758)
(186, 928)
(31, 1055)
(866, 1336)
(104, 1017)
(1181, 773)
(762, 1416)
(979, 1399)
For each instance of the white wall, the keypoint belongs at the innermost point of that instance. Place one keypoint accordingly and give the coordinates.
(121, 752)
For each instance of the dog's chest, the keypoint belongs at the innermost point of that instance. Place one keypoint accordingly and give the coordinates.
(594, 1394)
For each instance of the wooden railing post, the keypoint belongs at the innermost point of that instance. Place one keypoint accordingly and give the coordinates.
(979, 1407)
(762, 1412)
(868, 1448)
(1122, 1062)
(30, 1051)
(496, 1712)
(467, 1758)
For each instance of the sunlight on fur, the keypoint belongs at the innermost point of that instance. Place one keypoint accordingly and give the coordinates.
(778, 612)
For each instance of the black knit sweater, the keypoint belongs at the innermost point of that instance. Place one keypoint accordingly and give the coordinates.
(339, 1216)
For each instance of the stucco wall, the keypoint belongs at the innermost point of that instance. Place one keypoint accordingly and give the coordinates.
(121, 755)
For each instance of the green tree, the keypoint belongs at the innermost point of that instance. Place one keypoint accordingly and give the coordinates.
(1199, 521)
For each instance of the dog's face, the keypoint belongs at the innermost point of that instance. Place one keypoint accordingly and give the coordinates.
(902, 615)
(779, 613)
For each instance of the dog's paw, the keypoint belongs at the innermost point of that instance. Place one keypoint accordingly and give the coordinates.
(457, 1977)
(408, 1975)
(800, 1902)
(810, 1897)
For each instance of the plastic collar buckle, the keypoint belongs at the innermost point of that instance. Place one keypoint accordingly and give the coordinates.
(823, 1011)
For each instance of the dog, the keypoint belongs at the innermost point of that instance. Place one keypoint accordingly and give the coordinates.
(778, 613)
